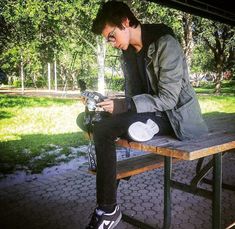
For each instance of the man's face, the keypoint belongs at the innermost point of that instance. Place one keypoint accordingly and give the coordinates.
(118, 38)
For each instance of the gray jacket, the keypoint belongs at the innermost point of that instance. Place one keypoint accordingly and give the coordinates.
(168, 76)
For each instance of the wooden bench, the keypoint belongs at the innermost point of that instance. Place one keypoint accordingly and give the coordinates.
(162, 149)
(138, 164)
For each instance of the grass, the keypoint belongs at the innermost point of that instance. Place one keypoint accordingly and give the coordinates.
(228, 87)
(32, 127)
(210, 105)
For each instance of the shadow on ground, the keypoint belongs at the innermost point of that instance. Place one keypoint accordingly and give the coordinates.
(22, 151)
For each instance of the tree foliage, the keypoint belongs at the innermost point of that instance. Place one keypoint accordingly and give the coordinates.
(219, 39)
(35, 32)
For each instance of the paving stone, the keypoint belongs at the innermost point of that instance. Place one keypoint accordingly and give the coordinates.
(126, 198)
(66, 201)
(147, 205)
(139, 208)
(130, 212)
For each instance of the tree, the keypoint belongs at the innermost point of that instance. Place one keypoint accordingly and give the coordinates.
(219, 38)
(19, 19)
(37, 32)
(84, 13)
(187, 38)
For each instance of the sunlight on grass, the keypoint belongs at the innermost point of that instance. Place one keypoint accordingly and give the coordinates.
(40, 120)
(50, 120)
(9, 137)
(31, 127)
(211, 104)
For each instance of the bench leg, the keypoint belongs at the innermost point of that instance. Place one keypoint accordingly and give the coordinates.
(199, 165)
(167, 192)
(201, 173)
(217, 186)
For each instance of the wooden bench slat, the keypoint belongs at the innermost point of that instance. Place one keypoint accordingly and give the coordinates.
(138, 164)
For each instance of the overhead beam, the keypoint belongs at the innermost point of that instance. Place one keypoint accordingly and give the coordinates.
(216, 10)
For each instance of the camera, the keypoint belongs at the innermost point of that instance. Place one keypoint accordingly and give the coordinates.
(92, 98)
(92, 115)
(90, 118)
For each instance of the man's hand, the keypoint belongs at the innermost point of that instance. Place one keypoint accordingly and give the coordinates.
(84, 100)
(107, 105)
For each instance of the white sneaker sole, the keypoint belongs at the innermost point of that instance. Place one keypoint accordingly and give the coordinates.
(142, 132)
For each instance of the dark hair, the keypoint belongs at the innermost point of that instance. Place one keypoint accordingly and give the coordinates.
(113, 13)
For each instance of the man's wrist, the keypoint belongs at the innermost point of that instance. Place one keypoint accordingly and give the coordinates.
(130, 104)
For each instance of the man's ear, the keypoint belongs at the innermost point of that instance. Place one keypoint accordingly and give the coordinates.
(126, 23)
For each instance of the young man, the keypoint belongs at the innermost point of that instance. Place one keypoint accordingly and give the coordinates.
(159, 98)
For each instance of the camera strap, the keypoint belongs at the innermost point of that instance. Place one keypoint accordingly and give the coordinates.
(91, 149)
(89, 124)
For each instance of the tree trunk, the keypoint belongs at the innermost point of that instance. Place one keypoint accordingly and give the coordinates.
(219, 78)
(34, 80)
(75, 80)
(187, 20)
(55, 74)
(49, 75)
(22, 73)
(220, 63)
(101, 50)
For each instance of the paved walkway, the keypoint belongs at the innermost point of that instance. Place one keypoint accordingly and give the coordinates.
(65, 201)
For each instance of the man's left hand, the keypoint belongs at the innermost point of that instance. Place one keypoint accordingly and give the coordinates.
(107, 105)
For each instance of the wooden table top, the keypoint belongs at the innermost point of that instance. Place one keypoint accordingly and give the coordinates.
(221, 138)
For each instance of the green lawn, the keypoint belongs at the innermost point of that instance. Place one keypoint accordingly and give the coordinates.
(32, 126)
(211, 104)
(228, 87)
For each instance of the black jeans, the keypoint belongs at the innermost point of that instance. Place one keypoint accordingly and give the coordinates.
(105, 133)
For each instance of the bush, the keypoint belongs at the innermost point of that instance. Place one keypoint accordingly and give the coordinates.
(29, 83)
(115, 83)
(16, 83)
(41, 82)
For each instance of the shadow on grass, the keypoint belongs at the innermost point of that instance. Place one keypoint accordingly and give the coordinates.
(22, 151)
(209, 88)
(5, 114)
(7, 101)
(218, 114)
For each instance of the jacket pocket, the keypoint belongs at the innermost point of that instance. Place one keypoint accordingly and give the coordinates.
(179, 107)
(188, 121)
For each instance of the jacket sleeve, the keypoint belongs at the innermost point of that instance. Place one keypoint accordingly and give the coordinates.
(166, 77)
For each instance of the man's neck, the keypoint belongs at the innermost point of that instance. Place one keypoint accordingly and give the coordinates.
(135, 38)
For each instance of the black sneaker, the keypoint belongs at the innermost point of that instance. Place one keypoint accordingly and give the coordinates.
(102, 220)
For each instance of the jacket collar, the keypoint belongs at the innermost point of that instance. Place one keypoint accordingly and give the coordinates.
(151, 33)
